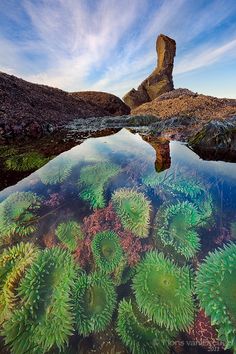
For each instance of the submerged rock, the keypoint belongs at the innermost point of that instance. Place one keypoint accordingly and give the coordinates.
(216, 140)
(160, 80)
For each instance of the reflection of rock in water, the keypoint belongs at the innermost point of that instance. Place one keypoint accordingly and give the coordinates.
(162, 148)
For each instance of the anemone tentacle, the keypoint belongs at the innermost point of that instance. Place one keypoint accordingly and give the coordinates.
(18, 213)
(13, 263)
(69, 233)
(133, 209)
(26, 161)
(216, 289)
(138, 333)
(45, 319)
(92, 182)
(56, 171)
(107, 250)
(94, 302)
(163, 291)
(175, 226)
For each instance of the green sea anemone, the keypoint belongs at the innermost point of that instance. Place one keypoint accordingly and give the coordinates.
(69, 233)
(140, 334)
(44, 319)
(186, 185)
(92, 182)
(26, 161)
(216, 290)
(95, 300)
(56, 171)
(180, 184)
(133, 208)
(107, 250)
(123, 272)
(18, 214)
(154, 179)
(163, 291)
(175, 225)
(13, 263)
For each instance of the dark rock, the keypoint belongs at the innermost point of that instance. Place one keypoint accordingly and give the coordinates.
(160, 80)
(113, 104)
(216, 140)
(22, 103)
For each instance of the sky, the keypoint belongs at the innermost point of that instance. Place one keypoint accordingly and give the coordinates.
(109, 45)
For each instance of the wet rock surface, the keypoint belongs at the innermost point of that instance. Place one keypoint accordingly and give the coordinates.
(216, 140)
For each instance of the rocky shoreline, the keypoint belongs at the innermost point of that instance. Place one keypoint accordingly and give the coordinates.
(155, 109)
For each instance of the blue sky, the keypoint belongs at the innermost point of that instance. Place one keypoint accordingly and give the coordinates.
(109, 45)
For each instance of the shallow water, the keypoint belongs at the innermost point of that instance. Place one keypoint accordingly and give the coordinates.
(165, 202)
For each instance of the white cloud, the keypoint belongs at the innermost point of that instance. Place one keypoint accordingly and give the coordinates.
(108, 44)
(204, 57)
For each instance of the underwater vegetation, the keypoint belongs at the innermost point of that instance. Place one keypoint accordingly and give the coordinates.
(18, 214)
(107, 251)
(154, 179)
(94, 302)
(44, 319)
(204, 334)
(133, 209)
(186, 185)
(92, 182)
(175, 226)
(13, 263)
(163, 291)
(56, 171)
(138, 333)
(69, 233)
(26, 161)
(216, 289)
(106, 219)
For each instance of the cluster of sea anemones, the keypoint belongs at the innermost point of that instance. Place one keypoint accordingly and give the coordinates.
(76, 286)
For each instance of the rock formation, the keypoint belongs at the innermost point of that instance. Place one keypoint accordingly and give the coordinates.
(160, 80)
(111, 103)
(29, 109)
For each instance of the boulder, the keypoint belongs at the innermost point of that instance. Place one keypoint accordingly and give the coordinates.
(160, 80)
(112, 104)
(216, 140)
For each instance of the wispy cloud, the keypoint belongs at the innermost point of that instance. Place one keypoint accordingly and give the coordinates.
(205, 57)
(108, 44)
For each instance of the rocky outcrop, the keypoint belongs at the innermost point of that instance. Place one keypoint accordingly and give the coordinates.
(216, 140)
(185, 103)
(160, 80)
(30, 109)
(111, 103)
